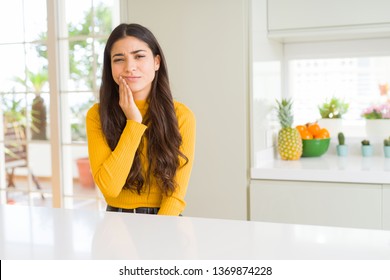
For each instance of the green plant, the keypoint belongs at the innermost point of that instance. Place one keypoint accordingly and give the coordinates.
(333, 109)
(15, 121)
(35, 81)
(341, 138)
(14, 110)
(365, 142)
(386, 142)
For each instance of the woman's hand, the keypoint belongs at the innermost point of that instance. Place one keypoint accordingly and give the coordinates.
(126, 102)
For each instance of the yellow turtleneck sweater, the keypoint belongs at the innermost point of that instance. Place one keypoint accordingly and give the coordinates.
(111, 168)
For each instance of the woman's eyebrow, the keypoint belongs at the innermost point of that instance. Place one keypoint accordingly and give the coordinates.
(133, 52)
(137, 51)
(118, 54)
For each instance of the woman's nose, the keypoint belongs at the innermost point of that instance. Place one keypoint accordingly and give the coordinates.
(131, 65)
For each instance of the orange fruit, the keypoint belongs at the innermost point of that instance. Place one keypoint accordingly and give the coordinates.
(305, 134)
(301, 128)
(323, 133)
(313, 128)
(303, 131)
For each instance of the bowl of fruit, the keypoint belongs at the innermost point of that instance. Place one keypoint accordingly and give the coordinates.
(315, 140)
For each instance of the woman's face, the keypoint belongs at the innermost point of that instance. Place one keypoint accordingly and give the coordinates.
(133, 60)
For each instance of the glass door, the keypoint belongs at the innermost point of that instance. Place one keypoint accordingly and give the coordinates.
(27, 160)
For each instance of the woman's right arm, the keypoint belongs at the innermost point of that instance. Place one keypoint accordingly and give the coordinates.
(111, 168)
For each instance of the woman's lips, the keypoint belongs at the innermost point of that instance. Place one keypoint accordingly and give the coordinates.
(132, 78)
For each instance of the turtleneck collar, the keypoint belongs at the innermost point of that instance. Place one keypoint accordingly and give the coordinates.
(142, 105)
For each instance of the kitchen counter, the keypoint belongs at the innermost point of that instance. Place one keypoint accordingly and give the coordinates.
(51, 233)
(327, 168)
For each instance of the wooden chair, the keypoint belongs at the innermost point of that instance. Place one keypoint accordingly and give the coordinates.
(16, 155)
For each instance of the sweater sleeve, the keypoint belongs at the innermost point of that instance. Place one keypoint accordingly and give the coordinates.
(111, 168)
(175, 204)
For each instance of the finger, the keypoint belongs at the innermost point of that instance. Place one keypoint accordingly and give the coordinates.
(128, 93)
(123, 95)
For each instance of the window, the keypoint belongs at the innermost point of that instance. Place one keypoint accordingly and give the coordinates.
(354, 70)
(24, 94)
(360, 81)
(26, 90)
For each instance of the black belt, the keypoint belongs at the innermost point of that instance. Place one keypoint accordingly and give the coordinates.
(140, 210)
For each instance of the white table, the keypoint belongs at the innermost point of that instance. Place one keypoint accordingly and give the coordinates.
(47, 233)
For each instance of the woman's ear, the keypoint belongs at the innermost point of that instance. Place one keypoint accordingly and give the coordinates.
(157, 60)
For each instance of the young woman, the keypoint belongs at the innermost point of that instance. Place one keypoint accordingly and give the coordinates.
(140, 141)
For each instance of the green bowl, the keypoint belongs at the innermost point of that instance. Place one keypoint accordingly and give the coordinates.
(315, 147)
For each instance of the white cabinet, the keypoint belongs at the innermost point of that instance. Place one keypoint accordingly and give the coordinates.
(347, 17)
(315, 203)
(386, 207)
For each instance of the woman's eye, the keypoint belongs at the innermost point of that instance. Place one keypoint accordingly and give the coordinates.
(139, 56)
(118, 59)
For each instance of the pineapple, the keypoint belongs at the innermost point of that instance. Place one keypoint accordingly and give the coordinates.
(289, 139)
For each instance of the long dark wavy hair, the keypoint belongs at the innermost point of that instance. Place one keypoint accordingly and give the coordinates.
(163, 136)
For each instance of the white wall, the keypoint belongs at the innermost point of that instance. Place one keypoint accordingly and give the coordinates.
(267, 76)
(206, 46)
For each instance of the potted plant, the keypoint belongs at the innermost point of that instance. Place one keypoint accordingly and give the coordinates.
(342, 148)
(377, 120)
(331, 112)
(333, 109)
(85, 175)
(367, 149)
(386, 147)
